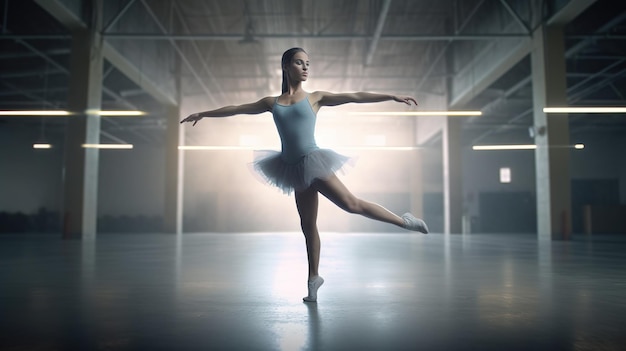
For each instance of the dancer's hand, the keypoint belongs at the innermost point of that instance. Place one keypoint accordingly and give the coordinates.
(194, 117)
(406, 99)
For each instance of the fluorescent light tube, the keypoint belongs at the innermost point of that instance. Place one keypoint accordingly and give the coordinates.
(120, 113)
(504, 147)
(520, 147)
(117, 113)
(233, 148)
(107, 146)
(584, 109)
(419, 113)
(34, 113)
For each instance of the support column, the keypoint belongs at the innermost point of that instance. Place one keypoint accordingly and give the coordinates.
(173, 215)
(416, 182)
(551, 134)
(80, 171)
(452, 180)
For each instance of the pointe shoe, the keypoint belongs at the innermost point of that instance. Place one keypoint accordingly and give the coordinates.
(313, 285)
(414, 224)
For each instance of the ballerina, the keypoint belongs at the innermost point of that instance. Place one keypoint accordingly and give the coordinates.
(301, 166)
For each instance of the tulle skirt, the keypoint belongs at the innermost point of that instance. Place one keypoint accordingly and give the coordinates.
(318, 164)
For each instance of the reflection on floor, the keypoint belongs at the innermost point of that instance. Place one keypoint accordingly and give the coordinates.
(244, 292)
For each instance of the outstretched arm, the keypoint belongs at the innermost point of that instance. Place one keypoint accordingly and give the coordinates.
(331, 99)
(263, 105)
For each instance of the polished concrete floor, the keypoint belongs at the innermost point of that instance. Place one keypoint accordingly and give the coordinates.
(243, 292)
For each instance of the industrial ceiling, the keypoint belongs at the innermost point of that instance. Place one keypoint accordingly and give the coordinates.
(462, 54)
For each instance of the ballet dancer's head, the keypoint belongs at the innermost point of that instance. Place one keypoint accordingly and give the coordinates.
(296, 61)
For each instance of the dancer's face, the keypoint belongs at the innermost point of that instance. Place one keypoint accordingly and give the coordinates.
(298, 69)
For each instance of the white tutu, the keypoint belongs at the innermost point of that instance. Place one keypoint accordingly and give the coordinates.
(318, 164)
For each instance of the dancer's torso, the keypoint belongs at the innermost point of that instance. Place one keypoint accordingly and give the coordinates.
(296, 127)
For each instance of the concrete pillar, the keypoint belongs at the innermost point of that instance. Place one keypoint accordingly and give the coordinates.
(80, 171)
(551, 134)
(416, 182)
(452, 176)
(173, 215)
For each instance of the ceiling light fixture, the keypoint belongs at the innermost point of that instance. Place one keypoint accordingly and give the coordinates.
(120, 113)
(108, 146)
(234, 148)
(584, 109)
(504, 147)
(520, 147)
(113, 113)
(218, 148)
(42, 146)
(35, 113)
(379, 148)
(419, 113)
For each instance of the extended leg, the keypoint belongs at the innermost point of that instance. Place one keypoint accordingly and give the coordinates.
(337, 192)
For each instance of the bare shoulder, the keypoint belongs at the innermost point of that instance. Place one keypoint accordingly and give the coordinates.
(326, 98)
(318, 96)
(267, 102)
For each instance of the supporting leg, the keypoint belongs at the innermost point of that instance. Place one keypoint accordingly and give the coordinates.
(307, 202)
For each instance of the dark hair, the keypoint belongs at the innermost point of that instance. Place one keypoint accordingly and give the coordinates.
(285, 61)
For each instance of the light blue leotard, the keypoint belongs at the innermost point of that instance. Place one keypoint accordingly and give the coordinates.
(300, 161)
(296, 127)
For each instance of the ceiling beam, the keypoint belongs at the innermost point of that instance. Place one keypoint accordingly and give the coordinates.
(517, 18)
(20, 55)
(572, 51)
(35, 37)
(71, 21)
(497, 70)
(136, 75)
(64, 15)
(587, 40)
(570, 11)
(118, 16)
(32, 73)
(443, 51)
(203, 60)
(237, 37)
(565, 15)
(180, 53)
(382, 17)
(572, 98)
